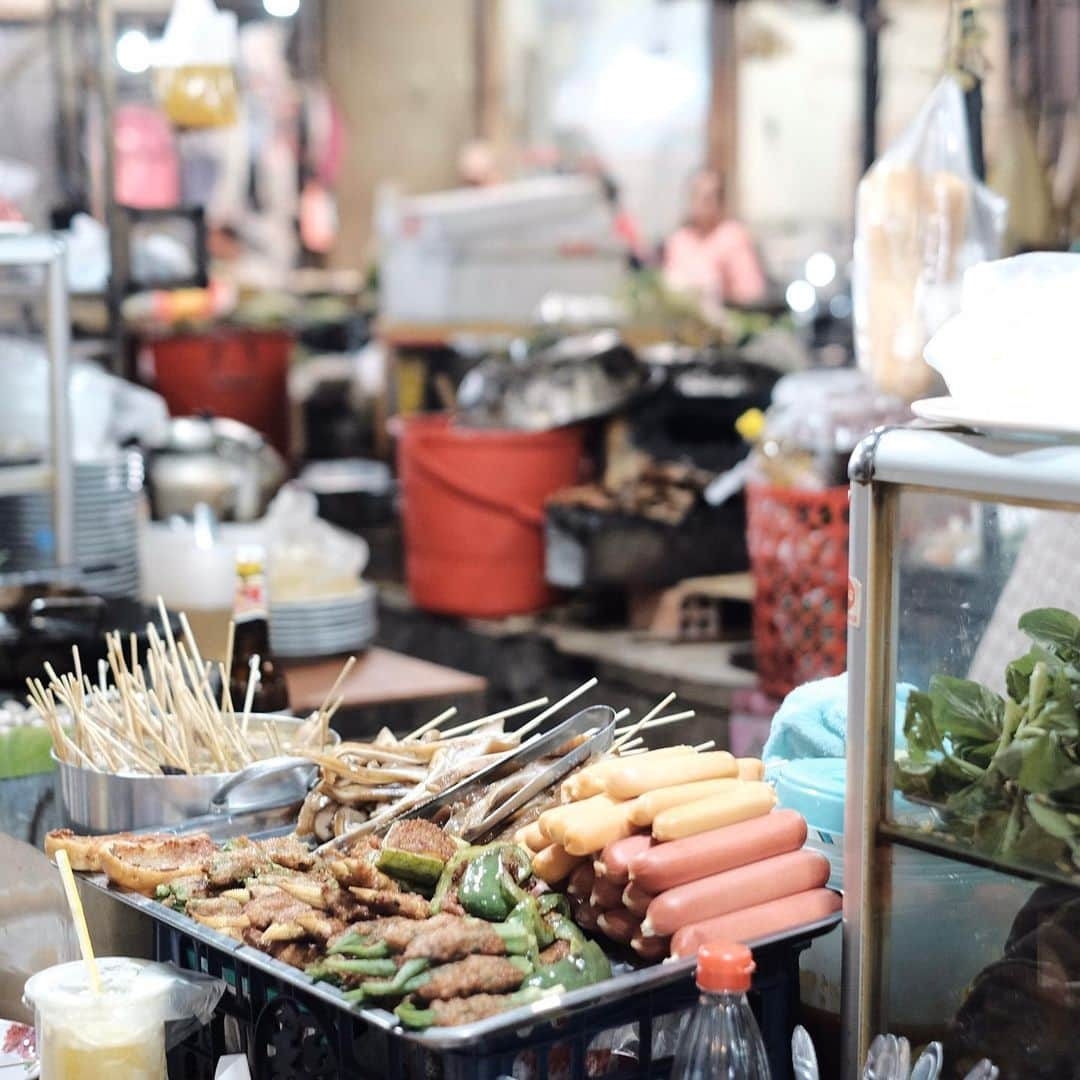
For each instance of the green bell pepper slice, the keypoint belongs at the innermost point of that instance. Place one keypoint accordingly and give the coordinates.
(481, 890)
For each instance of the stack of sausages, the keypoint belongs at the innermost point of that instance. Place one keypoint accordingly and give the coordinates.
(669, 849)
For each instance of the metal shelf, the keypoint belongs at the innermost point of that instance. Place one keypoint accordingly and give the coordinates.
(947, 847)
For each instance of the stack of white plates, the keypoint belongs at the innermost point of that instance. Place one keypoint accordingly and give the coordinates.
(106, 497)
(301, 629)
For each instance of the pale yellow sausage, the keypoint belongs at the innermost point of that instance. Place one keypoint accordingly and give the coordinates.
(531, 836)
(595, 827)
(637, 775)
(644, 808)
(750, 768)
(749, 800)
(592, 779)
(550, 821)
(554, 864)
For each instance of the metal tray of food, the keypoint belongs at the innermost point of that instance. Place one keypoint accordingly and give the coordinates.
(628, 979)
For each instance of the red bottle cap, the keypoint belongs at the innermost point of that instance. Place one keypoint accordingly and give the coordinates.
(724, 965)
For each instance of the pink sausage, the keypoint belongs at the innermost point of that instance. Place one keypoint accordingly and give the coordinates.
(733, 890)
(753, 923)
(619, 925)
(606, 894)
(585, 915)
(636, 900)
(664, 866)
(581, 881)
(614, 861)
(650, 948)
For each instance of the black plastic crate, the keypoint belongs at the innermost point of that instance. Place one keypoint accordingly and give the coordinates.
(287, 1033)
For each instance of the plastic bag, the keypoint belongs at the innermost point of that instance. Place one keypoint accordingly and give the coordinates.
(922, 218)
(310, 559)
(1013, 351)
(142, 1010)
(195, 65)
(105, 411)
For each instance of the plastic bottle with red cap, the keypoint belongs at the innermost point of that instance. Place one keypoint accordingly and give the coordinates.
(721, 1039)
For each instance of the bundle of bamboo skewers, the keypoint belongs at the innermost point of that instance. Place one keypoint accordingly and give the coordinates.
(164, 718)
(365, 786)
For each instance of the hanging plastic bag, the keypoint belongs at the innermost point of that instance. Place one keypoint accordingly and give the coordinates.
(922, 218)
(195, 63)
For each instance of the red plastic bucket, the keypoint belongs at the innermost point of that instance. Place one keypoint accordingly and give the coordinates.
(233, 372)
(473, 513)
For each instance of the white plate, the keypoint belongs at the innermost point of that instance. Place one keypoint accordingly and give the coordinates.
(14, 1066)
(949, 410)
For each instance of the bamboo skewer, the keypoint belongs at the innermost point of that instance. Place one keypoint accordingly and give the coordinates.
(653, 712)
(445, 715)
(492, 718)
(658, 722)
(536, 721)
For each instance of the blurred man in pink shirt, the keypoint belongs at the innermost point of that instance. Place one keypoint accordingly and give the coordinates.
(712, 256)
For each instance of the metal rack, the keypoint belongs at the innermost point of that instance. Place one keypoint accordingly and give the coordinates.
(48, 252)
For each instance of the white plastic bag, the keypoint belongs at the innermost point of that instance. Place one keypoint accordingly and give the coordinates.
(922, 219)
(1013, 350)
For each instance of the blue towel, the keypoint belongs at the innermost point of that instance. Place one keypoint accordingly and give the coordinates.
(812, 721)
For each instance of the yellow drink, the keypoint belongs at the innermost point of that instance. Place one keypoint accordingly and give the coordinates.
(117, 1034)
(112, 1049)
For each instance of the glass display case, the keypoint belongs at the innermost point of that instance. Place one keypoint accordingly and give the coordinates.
(962, 826)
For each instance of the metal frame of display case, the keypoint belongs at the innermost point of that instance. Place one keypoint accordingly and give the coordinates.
(26, 249)
(1024, 471)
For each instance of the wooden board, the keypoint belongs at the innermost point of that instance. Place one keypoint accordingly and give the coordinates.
(380, 677)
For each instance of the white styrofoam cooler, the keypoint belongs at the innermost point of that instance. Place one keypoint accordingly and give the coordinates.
(491, 254)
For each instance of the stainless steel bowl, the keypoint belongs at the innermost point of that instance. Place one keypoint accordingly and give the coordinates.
(99, 802)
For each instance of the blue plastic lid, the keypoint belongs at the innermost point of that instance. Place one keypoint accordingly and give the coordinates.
(815, 787)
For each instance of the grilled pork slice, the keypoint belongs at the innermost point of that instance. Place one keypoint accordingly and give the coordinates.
(142, 863)
(556, 951)
(362, 873)
(219, 914)
(298, 954)
(234, 865)
(466, 1010)
(287, 851)
(454, 941)
(473, 975)
(84, 852)
(398, 931)
(273, 905)
(421, 838)
(311, 890)
(393, 903)
(319, 925)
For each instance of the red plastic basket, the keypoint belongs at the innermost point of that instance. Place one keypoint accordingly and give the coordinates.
(798, 543)
(229, 371)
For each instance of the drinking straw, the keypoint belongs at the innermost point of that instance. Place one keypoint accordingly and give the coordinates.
(79, 917)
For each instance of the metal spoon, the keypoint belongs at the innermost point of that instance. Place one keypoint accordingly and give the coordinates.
(901, 1057)
(803, 1057)
(878, 1060)
(928, 1066)
(984, 1070)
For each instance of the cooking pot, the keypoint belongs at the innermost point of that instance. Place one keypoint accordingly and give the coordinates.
(217, 461)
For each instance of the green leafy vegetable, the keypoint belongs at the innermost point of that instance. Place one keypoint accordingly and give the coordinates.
(1006, 771)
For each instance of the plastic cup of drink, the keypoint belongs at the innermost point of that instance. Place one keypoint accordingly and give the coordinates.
(118, 1033)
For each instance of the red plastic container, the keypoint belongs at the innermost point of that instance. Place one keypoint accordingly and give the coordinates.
(473, 513)
(229, 371)
(798, 543)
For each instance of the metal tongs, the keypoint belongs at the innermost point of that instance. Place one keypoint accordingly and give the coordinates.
(597, 723)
